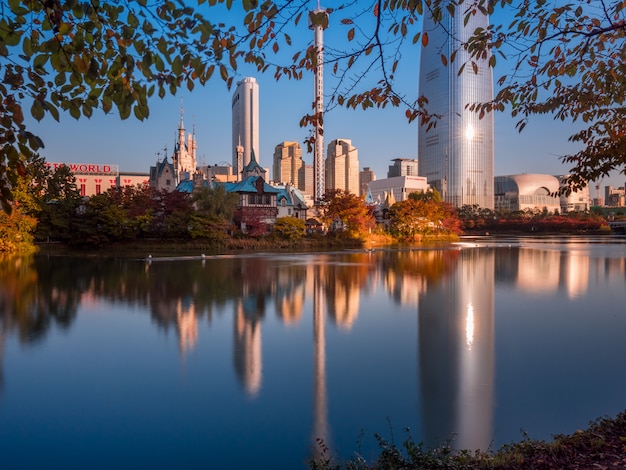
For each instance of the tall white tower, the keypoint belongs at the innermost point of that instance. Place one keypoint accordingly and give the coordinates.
(318, 22)
(245, 115)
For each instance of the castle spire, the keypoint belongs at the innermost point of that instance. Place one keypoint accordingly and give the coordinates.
(181, 125)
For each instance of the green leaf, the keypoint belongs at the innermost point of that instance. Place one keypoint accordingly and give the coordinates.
(54, 112)
(27, 47)
(132, 20)
(59, 79)
(14, 5)
(177, 66)
(74, 111)
(65, 29)
(37, 110)
(12, 39)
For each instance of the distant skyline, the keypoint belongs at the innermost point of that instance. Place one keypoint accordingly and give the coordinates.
(380, 135)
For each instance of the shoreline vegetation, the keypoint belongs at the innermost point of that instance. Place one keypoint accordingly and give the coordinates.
(276, 244)
(601, 446)
(215, 221)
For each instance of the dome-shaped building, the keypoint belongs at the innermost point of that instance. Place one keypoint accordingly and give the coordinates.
(527, 191)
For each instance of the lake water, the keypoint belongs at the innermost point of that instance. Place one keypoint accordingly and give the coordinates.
(249, 361)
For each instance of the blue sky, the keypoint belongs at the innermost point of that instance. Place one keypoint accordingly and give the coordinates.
(379, 135)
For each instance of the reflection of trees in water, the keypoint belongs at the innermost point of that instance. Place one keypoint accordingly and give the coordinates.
(43, 290)
(34, 294)
(407, 273)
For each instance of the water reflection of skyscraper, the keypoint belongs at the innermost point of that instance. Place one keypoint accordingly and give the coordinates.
(456, 353)
(187, 324)
(289, 293)
(247, 345)
(1, 359)
(544, 271)
(342, 284)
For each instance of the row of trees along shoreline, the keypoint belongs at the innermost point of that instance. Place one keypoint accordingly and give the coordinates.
(49, 208)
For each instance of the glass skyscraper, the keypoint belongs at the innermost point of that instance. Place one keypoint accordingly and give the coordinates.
(456, 156)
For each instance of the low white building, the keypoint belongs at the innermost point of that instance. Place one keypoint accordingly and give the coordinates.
(578, 201)
(398, 187)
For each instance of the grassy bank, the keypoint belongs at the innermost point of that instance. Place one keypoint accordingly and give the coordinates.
(157, 247)
(601, 446)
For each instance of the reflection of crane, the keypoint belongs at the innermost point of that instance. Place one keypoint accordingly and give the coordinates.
(320, 426)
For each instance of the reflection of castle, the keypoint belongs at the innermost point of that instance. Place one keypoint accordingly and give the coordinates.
(456, 353)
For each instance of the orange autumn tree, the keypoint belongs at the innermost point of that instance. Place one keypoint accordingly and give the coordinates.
(343, 211)
(421, 216)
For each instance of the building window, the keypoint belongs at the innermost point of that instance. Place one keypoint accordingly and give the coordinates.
(167, 182)
(98, 189)
(83, 190)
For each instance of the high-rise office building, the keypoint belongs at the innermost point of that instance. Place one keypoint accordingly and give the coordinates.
(403, 167)
(366, 176)
(288, 164)
(457, 155)
(245, 115)
(342, 166)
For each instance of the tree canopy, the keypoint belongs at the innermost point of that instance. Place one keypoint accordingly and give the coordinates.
(343, 211)
(76, 56)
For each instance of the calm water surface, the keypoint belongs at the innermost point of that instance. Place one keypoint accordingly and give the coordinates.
(249, 361)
